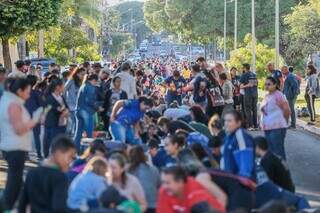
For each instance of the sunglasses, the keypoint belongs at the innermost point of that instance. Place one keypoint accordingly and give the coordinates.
(268, 84)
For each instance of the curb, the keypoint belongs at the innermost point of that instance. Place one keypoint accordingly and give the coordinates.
(304, 125)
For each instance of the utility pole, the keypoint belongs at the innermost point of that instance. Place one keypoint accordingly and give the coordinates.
(225, 33)
(253, 28)
(235, 24)
(277, 38)
(41, 44)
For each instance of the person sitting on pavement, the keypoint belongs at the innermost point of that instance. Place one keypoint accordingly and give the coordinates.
(275, 168)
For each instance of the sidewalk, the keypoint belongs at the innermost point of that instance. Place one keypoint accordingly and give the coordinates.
(303, 124)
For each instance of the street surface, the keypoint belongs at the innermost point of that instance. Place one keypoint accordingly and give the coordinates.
(303, 151)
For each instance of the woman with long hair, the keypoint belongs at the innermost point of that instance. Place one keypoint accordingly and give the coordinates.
(56, 119)
(312, 91)
(70, 94)
(143, 171)
(275, 115)
(86, 188)
(127, 184)
(87, 105)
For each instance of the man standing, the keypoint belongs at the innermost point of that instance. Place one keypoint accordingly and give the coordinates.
(290, 90)
(249, 83)
(174, 84)
(20, 70)
(276, 74)
(128, 82)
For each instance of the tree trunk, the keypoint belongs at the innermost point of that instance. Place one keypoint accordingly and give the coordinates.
(6, 54)
(22, 47)
(41, 44)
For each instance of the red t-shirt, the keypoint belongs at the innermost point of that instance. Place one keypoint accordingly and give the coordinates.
(193, 193)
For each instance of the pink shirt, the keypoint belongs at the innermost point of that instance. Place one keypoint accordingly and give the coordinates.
(272, 116)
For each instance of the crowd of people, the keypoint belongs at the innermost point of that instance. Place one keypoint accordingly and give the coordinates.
(152, 136)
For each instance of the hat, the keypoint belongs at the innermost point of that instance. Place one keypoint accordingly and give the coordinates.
(19, 63)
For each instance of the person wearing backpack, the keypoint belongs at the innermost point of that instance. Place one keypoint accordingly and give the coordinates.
(291, 91)
(312, 92)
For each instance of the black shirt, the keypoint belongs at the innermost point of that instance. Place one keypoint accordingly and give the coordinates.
(277, 172)
(45, 190)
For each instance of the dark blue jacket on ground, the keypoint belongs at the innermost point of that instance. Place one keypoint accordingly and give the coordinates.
(88, 98)
(238, 154)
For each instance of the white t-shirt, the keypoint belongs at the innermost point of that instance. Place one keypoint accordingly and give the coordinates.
(128, 84)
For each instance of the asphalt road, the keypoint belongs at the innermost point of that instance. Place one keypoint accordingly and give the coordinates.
(303, 157)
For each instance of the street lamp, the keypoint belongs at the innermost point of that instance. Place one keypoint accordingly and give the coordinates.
(225, 27)
(235, 23)
(253, 36)
(225, 32)
(277, 32)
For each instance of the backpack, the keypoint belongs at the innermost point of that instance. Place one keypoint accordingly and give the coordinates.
(215, 91)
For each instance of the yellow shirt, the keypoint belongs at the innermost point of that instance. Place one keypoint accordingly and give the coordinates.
(186, 73)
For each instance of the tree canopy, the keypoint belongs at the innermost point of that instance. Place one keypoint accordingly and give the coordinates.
(17, 17)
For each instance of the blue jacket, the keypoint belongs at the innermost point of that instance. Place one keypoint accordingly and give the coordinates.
(238, 154)
(130, 113)
(88, 98)
(34, 101)
(291, 87)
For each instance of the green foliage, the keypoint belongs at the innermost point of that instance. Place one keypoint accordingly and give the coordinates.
(60, 39)
(17, 17)
(121, 44)
(203, 20)
(304, 32)
(242, 55)
(134, 10)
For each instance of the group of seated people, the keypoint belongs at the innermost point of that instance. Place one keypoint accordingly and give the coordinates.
(178, 168)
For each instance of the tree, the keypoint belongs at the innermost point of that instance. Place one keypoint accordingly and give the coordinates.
(304, 32)
(121, 44)
(243, 54)
(17, 17)
(133, 10)
(203, 20)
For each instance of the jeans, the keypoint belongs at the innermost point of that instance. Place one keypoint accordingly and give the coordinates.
(269, 191)
(36, 135)
(292, 102)
(275, 138)
(123, 134)
(49, 134)
(72, 123)
(15, 160)
(310, 104)
(250, 109)
(85, 122)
